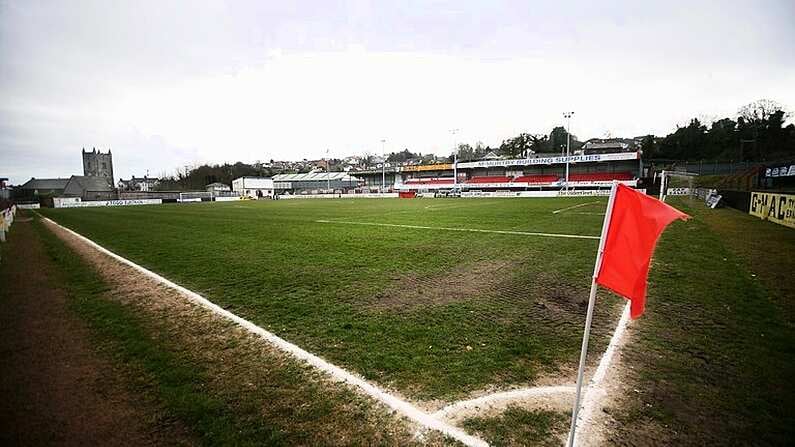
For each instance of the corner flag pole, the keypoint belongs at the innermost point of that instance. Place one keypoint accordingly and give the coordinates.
(589, 317)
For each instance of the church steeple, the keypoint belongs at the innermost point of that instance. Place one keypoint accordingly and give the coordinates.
(98, 164)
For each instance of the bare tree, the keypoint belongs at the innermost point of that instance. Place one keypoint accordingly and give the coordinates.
(367, 158)
(760, 111)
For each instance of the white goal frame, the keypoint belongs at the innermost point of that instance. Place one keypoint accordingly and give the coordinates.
(665, 177)
(195, 196)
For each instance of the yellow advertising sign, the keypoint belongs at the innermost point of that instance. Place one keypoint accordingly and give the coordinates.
(436, 167)
(778, 208)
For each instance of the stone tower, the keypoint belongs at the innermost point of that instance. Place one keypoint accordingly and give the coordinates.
(98, 164)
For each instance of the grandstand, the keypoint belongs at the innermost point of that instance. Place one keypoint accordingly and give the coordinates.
(314, 182)
(586, 171)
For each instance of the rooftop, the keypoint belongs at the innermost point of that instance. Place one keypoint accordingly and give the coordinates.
(91, 183)
(313, 176)
(45, 183)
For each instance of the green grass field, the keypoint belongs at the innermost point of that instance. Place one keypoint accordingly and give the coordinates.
(440, 314)
(434, 314)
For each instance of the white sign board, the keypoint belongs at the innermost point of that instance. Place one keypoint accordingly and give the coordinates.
(572, 193)
(551, 160)
(78, 204)
(677, 192)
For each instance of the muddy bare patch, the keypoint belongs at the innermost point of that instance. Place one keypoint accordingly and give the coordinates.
(465, 282)
(553, 294)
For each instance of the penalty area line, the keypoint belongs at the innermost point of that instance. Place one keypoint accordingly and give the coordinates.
(471, 230)
(573, 207)
(337, 373)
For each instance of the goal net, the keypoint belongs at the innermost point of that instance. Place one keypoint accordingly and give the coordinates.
(677, 183)
(195, 196)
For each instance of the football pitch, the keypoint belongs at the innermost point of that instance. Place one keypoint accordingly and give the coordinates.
(443, 300)
(436, 299)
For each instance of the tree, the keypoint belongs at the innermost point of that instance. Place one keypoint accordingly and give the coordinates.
(721, 140)
(465, 152)
(515, 147)
(761, 123)
(480, 150)
(759, 111)
(402, 156)
(523, 144)
(539, 143)
(649, 147)
(686, 143)
(558, 140)
(367, 158)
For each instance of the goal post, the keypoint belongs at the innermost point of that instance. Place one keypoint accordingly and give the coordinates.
(195, 196)
(677, 183)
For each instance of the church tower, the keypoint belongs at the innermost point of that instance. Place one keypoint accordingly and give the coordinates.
(98, 164)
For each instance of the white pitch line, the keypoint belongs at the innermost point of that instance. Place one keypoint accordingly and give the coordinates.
(615, 340)
(473, 230)
(334, 371)
(505, 396)
(595, 393)
(572, 207)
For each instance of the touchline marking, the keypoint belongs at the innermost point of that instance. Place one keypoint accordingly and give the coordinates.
(595, 393)
(572, 207)
(504, 396)
(615, 340)
(334, 371)
(472, 230)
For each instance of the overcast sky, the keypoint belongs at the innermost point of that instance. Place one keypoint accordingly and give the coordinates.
(164, 84)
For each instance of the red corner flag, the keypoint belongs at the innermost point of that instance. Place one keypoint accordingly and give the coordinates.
(636, 222)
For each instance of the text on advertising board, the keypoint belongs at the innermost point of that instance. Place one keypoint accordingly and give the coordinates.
(779, 208)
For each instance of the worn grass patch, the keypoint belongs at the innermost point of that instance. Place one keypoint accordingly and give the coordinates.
(520, 427)
(465, 282)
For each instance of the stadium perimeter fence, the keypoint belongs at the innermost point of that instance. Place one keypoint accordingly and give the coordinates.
(176, 196)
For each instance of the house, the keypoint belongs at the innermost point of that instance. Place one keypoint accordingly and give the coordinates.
(144, 183)
(43, 187)
(89, 187)
(218, 187)
(253, 186)
(5, 191)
